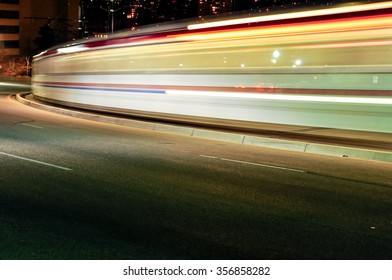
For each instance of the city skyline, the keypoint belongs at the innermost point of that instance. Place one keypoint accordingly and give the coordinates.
(103, 16)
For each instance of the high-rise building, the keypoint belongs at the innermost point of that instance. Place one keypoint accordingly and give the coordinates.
(22, 20)
(9, 27)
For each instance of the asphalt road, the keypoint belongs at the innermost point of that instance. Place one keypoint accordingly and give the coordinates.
(76, 189)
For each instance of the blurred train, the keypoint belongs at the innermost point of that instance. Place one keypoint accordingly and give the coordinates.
(327, 67)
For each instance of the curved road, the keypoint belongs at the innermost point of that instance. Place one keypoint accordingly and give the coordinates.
(77, 189)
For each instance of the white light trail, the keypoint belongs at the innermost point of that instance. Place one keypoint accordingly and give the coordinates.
(288, 97)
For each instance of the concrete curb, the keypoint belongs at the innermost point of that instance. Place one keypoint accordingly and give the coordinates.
(266, 142)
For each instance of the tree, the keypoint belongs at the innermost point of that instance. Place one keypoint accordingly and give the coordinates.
(46, 38)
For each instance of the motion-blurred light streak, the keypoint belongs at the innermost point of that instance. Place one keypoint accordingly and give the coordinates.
(322, 68)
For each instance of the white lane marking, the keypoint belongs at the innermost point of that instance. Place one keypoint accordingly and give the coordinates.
(256, 164)
(36, 161)
(208, 156)
(31, 125)
(263, 165)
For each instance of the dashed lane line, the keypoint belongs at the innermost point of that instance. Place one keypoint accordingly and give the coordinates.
(255, 164)
(31, 125)
(36, 161)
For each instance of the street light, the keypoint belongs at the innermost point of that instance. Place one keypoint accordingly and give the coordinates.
(111, 12)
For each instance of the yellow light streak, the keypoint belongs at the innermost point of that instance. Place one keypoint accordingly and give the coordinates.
(327, 27)
(303, 14)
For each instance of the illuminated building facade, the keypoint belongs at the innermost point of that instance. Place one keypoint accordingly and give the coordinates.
(142, 12)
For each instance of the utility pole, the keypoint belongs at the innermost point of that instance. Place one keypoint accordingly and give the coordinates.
(83, 27)
(234, 5)
(111, 12)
